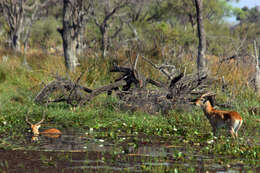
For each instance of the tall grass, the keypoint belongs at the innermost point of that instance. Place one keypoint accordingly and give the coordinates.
(19, 86)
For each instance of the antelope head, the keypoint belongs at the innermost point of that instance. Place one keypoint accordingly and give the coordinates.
(35, 127)
(202, 100)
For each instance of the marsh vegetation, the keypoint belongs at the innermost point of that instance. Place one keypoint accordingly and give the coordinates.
(148, 122)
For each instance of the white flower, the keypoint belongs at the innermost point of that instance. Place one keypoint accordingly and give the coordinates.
(210, 141)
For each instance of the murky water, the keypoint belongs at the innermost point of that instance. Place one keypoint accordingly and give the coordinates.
(89, 152)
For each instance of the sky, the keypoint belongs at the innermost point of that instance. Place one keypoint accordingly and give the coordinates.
(248, 3)
(242, 3)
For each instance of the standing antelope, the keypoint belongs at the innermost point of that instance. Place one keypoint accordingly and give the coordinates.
(51, 133)
(220, 118)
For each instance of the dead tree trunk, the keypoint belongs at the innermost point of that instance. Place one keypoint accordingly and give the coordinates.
(105, 24)
(257, 69)
(18, 15)
(104, 40)
(14, 36)
(80, 41)
(14, 14)
(201, 59)
(69, 41)
(75, 17)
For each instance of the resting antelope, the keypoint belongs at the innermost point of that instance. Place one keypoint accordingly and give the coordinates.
(51, 133)
(220, 118)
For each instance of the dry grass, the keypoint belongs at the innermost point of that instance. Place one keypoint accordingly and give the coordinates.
(45, 66)
(236, 73)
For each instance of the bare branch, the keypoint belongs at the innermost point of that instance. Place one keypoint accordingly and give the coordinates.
(136, 60)
(114, 10)
(118, 29)
(161, 68)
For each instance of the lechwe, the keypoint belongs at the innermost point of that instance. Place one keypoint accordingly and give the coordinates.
(51, 133)
(220, 118)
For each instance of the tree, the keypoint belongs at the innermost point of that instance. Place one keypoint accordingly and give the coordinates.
(257, 69)
(20, 15)
(103, 19)
(201, 59)
(248, 15)
(138, 10)
(75, 17)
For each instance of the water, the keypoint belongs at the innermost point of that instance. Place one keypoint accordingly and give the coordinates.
(95, 152)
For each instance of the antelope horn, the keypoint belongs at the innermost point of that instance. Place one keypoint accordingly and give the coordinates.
(43, 117)
(208, 94)
(26, 119)
(43, 114)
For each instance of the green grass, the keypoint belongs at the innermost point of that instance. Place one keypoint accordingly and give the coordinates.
(18, 87)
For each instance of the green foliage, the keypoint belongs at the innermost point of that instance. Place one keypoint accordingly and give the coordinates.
(103, 114)
(160, 10)
(215, 10)
(3, 30)
(2, 76)
(166, 27)
(248, 15)
(219, 38)
(240, 13)
(44, 33)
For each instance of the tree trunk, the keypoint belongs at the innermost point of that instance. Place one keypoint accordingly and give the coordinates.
(14, 41)
(80, 41)
(110, 9)
(15, 34)
(20, 14)
(257, 73)
(69, 48)
(75, 17)
(104, 41)
(13, 12)
(201, 59)
(69, 41)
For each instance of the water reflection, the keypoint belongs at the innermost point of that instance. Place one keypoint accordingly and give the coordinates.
(91, 151)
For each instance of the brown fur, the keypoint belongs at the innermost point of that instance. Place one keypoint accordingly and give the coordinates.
(35, 130)
(218, 118)
(51, 133)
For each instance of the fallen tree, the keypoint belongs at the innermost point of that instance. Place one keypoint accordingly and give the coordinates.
(131, 90)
